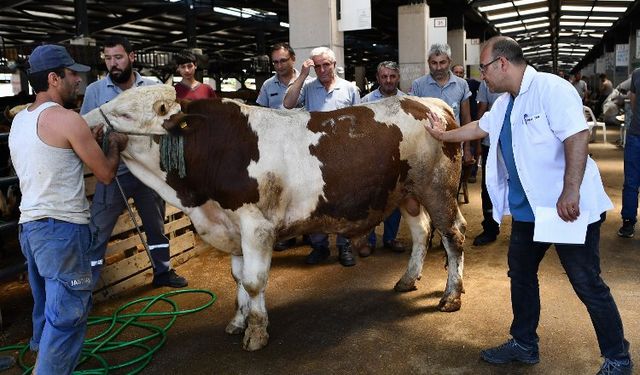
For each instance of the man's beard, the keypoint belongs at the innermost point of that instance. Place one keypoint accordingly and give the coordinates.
(440, 74)
(123, 76)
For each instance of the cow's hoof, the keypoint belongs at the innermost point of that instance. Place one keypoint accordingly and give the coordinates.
(255, 339)
(402, 286)
(233, 329)
(449, 304)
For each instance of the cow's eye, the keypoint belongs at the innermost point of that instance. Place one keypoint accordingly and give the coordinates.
(160, 108)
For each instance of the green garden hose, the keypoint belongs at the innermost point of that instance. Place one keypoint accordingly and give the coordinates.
(96, 348)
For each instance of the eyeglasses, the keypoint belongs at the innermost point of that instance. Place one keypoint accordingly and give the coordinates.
(483, 67)
(281, 61)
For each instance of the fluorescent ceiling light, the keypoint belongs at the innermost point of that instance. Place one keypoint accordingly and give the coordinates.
(528, 20)
(592, 18)
(231, 12)
(489, 8)
(582, 8)
(500, 16)
(590, 24)
(527, 27)
(573, 50)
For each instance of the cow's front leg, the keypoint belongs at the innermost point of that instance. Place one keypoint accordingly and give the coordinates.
(257, 243)
(453, 240)
(238, 324)
(420, 227)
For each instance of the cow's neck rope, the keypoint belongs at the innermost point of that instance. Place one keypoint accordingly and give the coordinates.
(171, 148)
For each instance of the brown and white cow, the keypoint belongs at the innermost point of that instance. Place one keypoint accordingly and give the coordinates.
(255, 176)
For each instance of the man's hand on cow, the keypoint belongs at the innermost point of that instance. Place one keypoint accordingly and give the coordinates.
(434, 127)
(568, 205)
(119, 139)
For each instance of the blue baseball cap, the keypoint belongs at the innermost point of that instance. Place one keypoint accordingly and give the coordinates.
(51, 56)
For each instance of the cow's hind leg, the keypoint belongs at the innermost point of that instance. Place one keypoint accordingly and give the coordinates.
(452, 232)
(420, 227)
(238, 324)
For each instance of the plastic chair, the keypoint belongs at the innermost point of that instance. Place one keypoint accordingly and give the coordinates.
(593, 122)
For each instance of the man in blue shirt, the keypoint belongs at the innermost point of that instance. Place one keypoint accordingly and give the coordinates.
(272, 92)
(441, 83)
(388, 77)
(327, 92)
(539, 159)
(108, 203)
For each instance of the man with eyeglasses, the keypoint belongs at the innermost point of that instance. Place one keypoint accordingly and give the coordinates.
(327, 92)
(273, 89)
(272, 94)
(440, 83)
(539, 159)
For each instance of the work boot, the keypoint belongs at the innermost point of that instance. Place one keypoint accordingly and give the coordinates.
(395, 246)
(169, 278)
(484, 238)
(616, 367)
(366, 250)
(511, 351)
(345, 256)
(317, 255)
(627, 229)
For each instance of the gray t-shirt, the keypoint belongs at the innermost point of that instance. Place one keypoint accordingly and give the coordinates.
(581, 88)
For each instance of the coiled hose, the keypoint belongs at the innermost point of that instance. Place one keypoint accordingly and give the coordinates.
(95, 348)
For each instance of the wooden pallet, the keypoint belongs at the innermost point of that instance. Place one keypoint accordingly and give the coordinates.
(127, 264)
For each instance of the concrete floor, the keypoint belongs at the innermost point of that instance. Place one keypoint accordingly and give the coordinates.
(329, 319)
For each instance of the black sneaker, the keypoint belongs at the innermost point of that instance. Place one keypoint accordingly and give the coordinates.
(169, 278)
(616, 367)
(317, 255)
(345, 256)
(511, 351)
(627, 229)
(484, 238)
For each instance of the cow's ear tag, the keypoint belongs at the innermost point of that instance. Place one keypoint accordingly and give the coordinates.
(183, 125)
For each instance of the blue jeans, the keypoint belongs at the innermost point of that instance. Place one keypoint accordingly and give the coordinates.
(631, 178)
(391, 226)
(319, 240)
(108, 205)
(582, 265)
(59, 269)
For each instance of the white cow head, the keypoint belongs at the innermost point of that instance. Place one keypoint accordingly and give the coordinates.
(139, 110)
